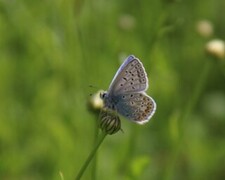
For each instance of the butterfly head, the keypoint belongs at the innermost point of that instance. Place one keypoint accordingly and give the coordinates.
(108, 101)
(103, 95)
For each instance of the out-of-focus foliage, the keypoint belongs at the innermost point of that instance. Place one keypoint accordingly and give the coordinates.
(51, 51)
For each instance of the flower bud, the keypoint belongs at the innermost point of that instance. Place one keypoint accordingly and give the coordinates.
(109, 122)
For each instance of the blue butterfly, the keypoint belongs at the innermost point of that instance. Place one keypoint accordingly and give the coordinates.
(126, 94)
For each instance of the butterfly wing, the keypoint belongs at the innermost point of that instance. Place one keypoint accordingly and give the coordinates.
(130, 77)
(126, 92)
(138, 107)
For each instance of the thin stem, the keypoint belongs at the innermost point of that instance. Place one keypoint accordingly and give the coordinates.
(95, 157)
(90, 157)
(197, 91)
(61, 175)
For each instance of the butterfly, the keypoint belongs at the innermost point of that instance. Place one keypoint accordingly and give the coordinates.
(126, 95)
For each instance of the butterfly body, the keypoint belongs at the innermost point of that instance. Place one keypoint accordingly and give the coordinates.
(126, 94)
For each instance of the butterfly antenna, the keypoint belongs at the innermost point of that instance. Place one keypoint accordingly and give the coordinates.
(121, 130)
(91, 86)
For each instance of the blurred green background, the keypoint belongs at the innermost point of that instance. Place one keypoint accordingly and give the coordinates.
(51, 51)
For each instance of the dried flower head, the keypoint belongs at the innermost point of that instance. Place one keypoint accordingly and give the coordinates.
(109, 122)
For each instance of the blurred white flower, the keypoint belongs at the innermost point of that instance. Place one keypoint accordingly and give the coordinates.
(216, 48)
(127, 22)
(95, 100)
(205, 28)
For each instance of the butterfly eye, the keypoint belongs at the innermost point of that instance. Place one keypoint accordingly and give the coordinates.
(102, 95)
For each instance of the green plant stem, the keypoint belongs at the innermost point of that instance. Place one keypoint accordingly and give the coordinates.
(94, 167)
(197, 91)
(90, 157)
